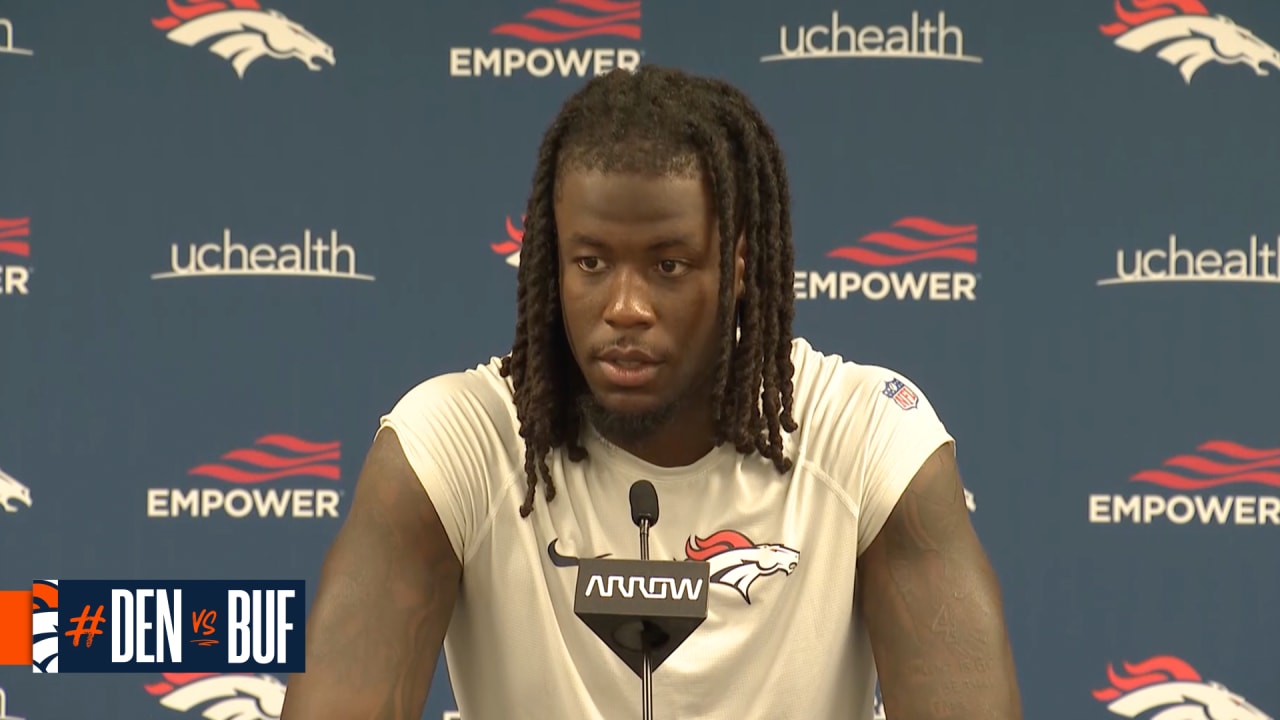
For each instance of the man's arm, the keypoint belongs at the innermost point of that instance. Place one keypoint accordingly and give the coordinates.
(385, 597)
(933, 608)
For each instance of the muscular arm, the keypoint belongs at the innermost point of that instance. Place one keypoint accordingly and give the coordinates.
(933, 608)
(384, 600)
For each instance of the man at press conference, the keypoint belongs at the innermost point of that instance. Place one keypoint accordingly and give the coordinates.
(653, 349)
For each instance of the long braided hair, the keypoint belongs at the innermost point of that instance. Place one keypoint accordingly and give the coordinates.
(661, 120)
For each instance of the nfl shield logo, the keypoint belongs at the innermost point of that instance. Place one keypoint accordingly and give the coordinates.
(896, 390)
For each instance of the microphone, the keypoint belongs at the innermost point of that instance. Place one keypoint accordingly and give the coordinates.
(644, 512)
(642, 609)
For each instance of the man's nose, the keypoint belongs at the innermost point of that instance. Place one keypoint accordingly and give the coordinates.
(629, 303)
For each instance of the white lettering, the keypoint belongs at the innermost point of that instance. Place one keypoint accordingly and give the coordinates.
(540, 62)
(315, 256)
(1185, 509)
(1181, 510)
(238, 633)
(13, 280)
(265, 611)
(140, 626)
(8, 46)
(1258, 263)
(240, 502)
(877, 285)
(167, 612)
(131, 621)
(923, 38)
(652, 588)
(121, 635)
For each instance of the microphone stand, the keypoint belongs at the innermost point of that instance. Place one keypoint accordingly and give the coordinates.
(646, 675)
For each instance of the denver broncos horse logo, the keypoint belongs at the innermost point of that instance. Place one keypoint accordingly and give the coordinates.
(738, 562)
(230, 697)
(1169, 688)
(44, 626)
(13, 491)
(242, 32)
(1189, 36)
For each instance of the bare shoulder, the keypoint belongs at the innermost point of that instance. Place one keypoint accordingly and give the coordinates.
(386, 593)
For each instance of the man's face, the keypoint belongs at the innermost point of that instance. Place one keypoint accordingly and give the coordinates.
(639, 284)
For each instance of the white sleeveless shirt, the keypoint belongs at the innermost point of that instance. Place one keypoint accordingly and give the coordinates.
(781, 638)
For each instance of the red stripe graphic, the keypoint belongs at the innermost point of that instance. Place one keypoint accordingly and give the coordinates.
(513, 244)
(590, 18)
(275, 457)
(173, 681)
(184, 10)
(1148, 10)
(1215, 463)
(932, 241)
(1152, 671)
(15, 228)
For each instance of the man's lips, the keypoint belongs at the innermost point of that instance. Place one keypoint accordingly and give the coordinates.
(627, 358)
(628, 368)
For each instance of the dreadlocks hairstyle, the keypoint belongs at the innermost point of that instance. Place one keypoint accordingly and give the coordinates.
(663, 121)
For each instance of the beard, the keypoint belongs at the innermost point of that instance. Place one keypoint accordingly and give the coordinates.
(628, 426)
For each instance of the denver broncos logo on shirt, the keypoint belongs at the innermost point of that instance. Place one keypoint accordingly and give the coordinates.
(738, 562)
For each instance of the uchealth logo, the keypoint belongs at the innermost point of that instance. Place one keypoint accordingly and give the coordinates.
(221, 696)
(15, 252)
(243, 473)
(510, 248)
(1165, 686)
(1191, 484)
(4, 707)
(1184, 34)
(242, 32)
(1258, 262)
(572, 38)
(8, 48)
(885, 259)
(316, 257)
(920, 37)
(13, 494)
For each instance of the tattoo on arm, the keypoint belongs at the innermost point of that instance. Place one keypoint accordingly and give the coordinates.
(385, 598)
(933, 608)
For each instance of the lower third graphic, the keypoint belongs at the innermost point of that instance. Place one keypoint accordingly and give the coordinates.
(97, 626)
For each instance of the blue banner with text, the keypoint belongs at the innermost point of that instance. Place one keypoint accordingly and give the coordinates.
(111, 626)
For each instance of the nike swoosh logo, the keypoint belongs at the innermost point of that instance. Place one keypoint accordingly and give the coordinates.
(564, 560)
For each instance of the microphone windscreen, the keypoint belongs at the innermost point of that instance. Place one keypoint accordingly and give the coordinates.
(644, 502)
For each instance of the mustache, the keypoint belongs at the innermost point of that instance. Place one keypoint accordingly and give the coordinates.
(624, 345)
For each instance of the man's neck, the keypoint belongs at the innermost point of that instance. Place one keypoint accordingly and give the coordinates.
(683, 441)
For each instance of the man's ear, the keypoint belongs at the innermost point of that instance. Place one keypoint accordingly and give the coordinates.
(739, 267)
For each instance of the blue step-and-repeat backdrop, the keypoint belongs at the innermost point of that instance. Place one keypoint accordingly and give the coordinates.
(235, 232)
